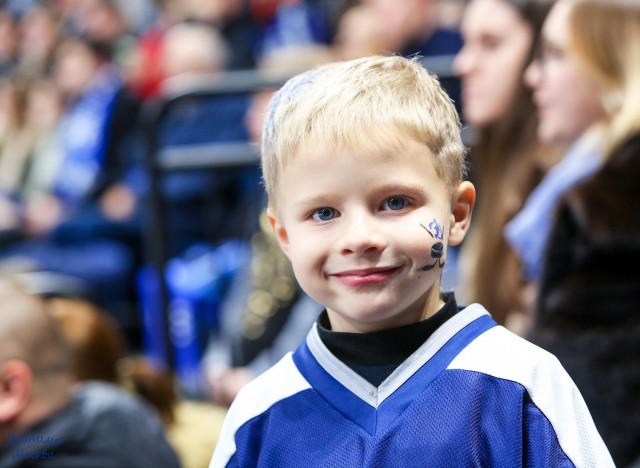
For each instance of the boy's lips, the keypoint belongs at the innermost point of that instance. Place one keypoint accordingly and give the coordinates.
(361, 277)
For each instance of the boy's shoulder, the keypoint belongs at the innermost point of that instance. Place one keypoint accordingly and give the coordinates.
(508, 358)
(503, 354)
(277, 383)
(280, 381)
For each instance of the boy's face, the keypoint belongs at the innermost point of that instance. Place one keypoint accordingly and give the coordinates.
(367, 233)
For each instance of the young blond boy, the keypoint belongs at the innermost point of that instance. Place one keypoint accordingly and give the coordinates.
(363, 165)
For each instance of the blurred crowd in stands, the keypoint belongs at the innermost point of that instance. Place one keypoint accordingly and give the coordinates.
(544, 115)
(75, 79)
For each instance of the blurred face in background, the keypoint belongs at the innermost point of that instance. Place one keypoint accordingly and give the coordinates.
(74, 68)
(8, 37)
(403, 21)
(567, 100)
(497, 44)
(39, 33)
(102, 20)
(44, 105)
(254, 119)
(360, 34)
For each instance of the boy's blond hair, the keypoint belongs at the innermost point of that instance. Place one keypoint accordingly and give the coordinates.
(373, 103)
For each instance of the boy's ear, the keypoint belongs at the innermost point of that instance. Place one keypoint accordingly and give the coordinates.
(461, 208)
(279, 230)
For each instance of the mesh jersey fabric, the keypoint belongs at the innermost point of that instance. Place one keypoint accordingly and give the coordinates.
(472, 395)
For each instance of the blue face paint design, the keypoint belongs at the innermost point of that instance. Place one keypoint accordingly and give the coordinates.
(437, 229)
(437, 250)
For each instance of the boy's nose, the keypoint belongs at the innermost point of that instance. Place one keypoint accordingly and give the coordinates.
(361, 235)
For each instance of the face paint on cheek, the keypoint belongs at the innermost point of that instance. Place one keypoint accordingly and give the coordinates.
(438, 231)
(437, 250)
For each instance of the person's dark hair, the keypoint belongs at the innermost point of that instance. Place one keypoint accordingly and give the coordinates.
(534, 12)
(102, 50)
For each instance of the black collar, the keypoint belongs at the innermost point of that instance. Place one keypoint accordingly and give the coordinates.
(376, 355)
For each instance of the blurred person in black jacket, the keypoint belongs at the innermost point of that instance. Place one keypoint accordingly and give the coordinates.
(47, 420)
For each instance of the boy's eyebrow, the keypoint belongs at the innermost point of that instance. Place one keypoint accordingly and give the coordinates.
(389, 189)
(321, 199)
(399, 188)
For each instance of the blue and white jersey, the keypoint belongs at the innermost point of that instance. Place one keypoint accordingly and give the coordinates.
(473, 394)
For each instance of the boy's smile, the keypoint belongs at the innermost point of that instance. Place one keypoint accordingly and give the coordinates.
(350, 221)
(366, 276)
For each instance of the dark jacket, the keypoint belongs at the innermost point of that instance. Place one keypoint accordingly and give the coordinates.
(589, 298)
(103, 427)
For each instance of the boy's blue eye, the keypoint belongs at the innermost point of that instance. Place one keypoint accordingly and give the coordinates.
(395, 203)
(324, 214)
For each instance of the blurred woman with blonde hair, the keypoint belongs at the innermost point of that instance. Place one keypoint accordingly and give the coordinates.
(588, 309)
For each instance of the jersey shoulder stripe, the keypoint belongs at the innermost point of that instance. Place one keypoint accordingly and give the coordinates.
(504, 355)
(278, 383)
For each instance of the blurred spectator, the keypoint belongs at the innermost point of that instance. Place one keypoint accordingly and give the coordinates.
(145, 72)
(506, 159)
(103, 22)
(44, 107)
(568, 103)
(8, 42)
(16, 141)
(30, 152)
(85, 225)
(98, 354)
(209, 215)
(192, 49)
(95, 343)
(93, 130)
(296, 23)
(589, 298)
(46, 420)
(40, 33)
(360, 34)
(233, 20)
(411, 27)
(194, 427)
(204, 205)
